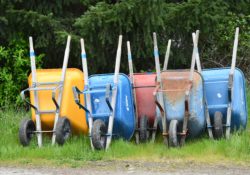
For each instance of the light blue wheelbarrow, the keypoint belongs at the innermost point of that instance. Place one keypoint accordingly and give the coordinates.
(179, 96)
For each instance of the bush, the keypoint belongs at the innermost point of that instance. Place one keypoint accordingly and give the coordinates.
(101, 21)
(14, 71)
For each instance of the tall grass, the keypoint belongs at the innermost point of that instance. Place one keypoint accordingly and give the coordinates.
(77, 150)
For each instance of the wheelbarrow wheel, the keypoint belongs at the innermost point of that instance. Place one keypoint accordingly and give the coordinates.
(63, 130)
(218, 127)
(98, 136)
(143, 129)
(173, 138)
(26, 131)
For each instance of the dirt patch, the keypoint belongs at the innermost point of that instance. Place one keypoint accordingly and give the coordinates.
(132, 167)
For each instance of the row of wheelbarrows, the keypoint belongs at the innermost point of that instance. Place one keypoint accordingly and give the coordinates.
(181, 103)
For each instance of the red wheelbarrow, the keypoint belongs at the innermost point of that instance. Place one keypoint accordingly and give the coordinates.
(143, 85)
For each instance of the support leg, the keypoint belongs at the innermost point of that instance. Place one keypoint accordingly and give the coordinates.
(110, 130)
(209, 126)
(228, 125)
(229, 108)
(54, 128)
(137, 131)
(90, 131)
(154, 129)
(185, 121)
(111, 118)
(164, 121)
(39, 129)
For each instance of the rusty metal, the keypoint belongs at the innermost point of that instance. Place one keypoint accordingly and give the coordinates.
(159, 106)
(176, 84)
(165, 133)
(176, 89)
(143, 87)
(182, 133)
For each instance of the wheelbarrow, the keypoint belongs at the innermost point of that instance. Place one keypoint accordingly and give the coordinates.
(109, 104)
(145, 109)
(225, 92)
(46, 89)
(180, 101)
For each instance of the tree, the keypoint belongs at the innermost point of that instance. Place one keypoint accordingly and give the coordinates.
(100, 23)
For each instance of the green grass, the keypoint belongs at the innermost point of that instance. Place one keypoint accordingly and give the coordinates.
(77, 150)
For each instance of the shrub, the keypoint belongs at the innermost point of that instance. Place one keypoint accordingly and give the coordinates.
(15, 66)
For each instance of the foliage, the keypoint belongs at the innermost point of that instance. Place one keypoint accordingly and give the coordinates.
(13, 72)
(100, 22)
(226, 37)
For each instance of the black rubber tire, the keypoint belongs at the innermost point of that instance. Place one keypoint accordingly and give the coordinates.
(98, 132)
(26, 131)
(218, 126)
(143, 131)
(173, 137)
(63, 130)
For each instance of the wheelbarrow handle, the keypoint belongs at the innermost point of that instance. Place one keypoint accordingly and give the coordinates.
(156, 100)
(77, 93)
(187, 92)
(157, 87)
(165, 66)
(54, 97)
(23, 96)
(230, 87)
(235, 47)
(107, 95)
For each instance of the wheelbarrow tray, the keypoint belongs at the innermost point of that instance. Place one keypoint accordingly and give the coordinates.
(144, 84)
(124, 120)
(174, 85)
(69, 108)
(216, 90)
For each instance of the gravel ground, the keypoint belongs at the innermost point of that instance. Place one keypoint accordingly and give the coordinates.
(131, 167)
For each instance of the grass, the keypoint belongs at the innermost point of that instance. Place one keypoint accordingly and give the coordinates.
(77, 150)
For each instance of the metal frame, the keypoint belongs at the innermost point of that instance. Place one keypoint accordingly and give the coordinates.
(107, 89)
(230, 86)
(46, 86)
(159, 99)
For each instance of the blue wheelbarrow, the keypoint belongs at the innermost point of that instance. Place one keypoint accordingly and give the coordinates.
(179, 96)
(108, 104)
(225, 91)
